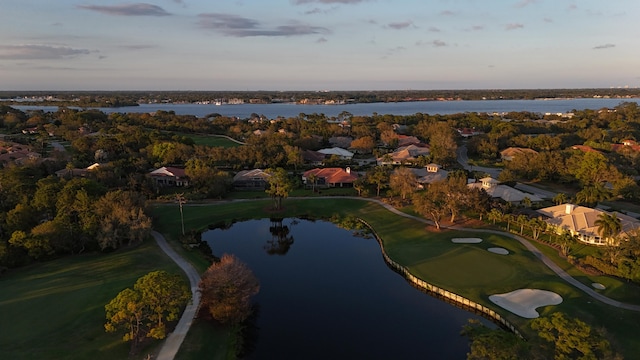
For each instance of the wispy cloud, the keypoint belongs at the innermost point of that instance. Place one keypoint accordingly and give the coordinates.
(321, 40)
(548, 20)
(513, 26)
(39, 52)
(238, 26)
(138, 9)
(476, 28)
(433, 29)
(138, 47)
(525, 3)
(447, 13)
(604, 46)
(400, 25)
(434, 43)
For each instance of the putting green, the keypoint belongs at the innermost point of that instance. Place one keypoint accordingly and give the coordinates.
(465, 266)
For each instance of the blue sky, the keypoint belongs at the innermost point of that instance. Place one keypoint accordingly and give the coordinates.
(318, 44)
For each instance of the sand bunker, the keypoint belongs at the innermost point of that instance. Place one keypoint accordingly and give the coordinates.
(524, 302)
(598, 286)
(466, 240)
(499, 250)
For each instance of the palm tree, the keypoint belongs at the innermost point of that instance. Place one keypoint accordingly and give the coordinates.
(522, 220)
(495, 215)
(609, 226)
(560, 198)
(313, 178)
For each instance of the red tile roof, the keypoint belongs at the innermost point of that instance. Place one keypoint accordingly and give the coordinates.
(333, 175)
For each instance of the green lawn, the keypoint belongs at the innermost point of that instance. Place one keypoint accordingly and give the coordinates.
(467, 269)
(55, 310)
(213, 141)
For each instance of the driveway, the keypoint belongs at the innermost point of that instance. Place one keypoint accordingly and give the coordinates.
(463, 159)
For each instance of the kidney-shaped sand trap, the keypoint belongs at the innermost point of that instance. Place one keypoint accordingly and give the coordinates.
(524, 302)
(498, 250)
(598, 286)
(466, 240)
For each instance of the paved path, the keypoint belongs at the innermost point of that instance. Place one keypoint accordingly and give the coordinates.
(464, 161)
(174, 340)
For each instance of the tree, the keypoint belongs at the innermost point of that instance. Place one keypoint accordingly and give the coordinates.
(572, 338)
(403, 181)
(537, 226)
(294, 156)
(313, 178)
(443, 144)
(122, 219)
(493, 344)
(592, 194)
(227, 287)
(360, 185)
(364, 144)
(495, 215)
(609, 226)
(142, 312)
(279, 186)
(560, 198)
(379, 177)
(431, 204)
(181, 201)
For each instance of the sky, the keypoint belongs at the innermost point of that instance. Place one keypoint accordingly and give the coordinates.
(318, 44)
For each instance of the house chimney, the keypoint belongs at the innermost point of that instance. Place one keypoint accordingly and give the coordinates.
(348, 170)
(569, 208)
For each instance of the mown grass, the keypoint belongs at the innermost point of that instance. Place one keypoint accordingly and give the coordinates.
(212, 141)
(55, 310)
(467, 269)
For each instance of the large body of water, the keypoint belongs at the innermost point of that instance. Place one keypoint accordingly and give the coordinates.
(272, 111)
(326, 294)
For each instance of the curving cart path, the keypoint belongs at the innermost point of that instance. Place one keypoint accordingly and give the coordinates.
(174, 340)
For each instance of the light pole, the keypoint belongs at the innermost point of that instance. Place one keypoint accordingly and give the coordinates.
(181, 200)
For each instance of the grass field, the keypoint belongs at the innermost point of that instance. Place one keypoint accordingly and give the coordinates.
(213, 141)
(55, 310)
(467, 269)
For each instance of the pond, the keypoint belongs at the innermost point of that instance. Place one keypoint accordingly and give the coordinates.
(328, 294)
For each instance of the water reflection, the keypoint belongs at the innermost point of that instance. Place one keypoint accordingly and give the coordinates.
(281, 241)
(335, 298)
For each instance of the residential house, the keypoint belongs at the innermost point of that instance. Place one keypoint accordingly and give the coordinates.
(76, 172)
(504, 192)
(509, 153)
(467, 132)
(430, 174)
(256, 179)
(340, 152)
(313, 157)
(16, 153)
(403, 155)
(406, 140)
(330, 177)
(626, 145)
(340, 141)
(169, 176)
(580, 221)
(585, 148)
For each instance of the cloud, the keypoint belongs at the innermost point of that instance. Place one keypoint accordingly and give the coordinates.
(548, 20)
(447, 13)
(237, 26)
(300, 2)
(476, 28)
(138, 47)
(605, 46)
(321, 40)
(400, 25)
(39, 52)
(525, 3)
(433, 29)
(438, 43)
(513, 26)
(139, 9)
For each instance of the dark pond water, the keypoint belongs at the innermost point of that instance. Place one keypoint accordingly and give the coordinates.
(327, 294)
